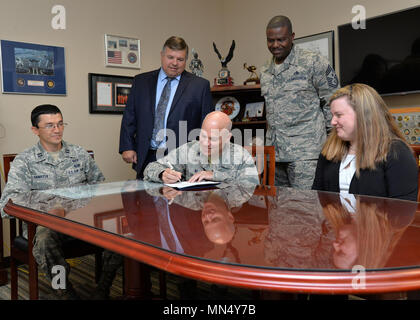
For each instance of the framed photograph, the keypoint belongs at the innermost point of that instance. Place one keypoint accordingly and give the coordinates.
(122, 52)
(113, 221)
(322, 43)
(108, 93)
(254, 110)
(29, 68)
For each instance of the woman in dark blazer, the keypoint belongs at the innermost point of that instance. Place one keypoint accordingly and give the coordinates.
(365, 152)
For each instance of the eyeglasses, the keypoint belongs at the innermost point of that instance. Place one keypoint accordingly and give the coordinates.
(51, 126)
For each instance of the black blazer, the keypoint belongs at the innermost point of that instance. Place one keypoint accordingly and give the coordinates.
(394, 178)
(191, 103)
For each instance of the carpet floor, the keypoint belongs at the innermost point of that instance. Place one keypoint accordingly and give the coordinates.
(82, 277)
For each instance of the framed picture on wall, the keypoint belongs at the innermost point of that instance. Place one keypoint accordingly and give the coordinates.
(108, 93)
(322, 43)
(122, 52)
(29, 68)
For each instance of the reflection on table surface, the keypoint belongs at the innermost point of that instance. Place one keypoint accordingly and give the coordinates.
(247, 225)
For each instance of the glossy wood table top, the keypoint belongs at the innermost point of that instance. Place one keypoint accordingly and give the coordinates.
(275, 239)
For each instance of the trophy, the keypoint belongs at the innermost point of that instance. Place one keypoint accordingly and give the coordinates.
(253, 78)
(223, 77)
(196, 66)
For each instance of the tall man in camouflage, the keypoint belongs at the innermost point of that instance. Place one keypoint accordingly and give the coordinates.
(51, 163)
(296, 85)
(212, 158)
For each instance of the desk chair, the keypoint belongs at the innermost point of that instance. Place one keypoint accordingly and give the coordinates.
(416, 150)
(265, 160)
(21, 249)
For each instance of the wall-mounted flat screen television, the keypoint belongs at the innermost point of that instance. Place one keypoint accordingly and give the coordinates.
(384, 55)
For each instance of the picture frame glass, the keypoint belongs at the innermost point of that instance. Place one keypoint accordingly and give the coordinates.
(122, 52)
(108, 93)
(322, 43)
(29, 68)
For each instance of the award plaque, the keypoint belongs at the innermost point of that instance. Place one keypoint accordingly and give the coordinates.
(223, 77)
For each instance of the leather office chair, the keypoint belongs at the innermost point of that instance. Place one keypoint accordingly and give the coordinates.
(265, 160)
(21, 249)
(416, 150)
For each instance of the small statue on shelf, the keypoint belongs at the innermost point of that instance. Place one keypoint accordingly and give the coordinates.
(196, 66)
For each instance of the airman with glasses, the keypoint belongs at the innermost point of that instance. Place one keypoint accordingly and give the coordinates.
(51, 163)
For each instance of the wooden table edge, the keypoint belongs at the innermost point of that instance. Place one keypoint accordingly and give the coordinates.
(321, 282)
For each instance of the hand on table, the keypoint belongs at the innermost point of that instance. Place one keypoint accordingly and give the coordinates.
(202, 175)
(170, 193)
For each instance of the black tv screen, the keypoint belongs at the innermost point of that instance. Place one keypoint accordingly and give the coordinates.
(384, 55)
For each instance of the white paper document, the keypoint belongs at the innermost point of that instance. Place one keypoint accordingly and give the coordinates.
(186, 184)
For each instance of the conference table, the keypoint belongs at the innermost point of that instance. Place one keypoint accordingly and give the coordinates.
(255, 237)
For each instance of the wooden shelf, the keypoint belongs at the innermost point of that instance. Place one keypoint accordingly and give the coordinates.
(245, 95)
(234, 88)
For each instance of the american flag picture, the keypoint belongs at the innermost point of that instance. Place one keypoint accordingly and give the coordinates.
(114, 57)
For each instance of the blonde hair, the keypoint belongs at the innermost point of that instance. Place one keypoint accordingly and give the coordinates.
(376, 236)
(375, 128)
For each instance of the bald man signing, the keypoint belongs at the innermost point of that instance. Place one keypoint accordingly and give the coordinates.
(213, 157)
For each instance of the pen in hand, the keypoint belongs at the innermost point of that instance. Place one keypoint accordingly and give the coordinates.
(172, 168)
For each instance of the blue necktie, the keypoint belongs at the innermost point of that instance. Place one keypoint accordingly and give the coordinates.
(161, 111)
(161, 206)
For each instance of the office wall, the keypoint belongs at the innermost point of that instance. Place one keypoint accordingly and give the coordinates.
(246, 20)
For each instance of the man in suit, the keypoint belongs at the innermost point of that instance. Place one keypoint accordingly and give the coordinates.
(158, 103)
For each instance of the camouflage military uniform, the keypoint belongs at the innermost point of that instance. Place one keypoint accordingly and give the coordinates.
(297, 111)
(234, 165)
(295, 237)
(36, 169)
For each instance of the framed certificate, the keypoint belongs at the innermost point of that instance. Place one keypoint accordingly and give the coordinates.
(108, 93)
